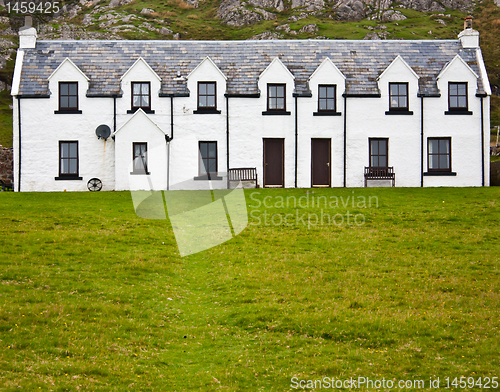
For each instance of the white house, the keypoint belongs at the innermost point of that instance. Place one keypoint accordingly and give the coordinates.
(302, 113)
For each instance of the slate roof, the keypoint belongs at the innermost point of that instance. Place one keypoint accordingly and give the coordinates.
(104, 62)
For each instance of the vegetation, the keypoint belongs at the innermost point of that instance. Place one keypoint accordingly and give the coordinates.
(94, 297)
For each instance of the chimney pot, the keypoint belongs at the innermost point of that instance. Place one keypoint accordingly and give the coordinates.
(468, 23)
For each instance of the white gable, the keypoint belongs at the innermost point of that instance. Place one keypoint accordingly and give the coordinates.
(140, 69)
(327, 66)
(455, 65)
(276, 64)
(398, 67)
(66, 70)
(139, 117)
(205, 68)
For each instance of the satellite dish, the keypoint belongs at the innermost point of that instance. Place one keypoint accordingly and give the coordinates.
(103, 131)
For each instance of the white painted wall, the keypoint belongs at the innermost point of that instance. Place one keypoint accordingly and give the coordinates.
(110, 160)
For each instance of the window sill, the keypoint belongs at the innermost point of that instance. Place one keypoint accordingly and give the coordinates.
(327, 113)
(438, 173)
(458, 112)
(206, 111)
(68, 178)
(67, 112)
(399, 113)
(140, 173)
(148, 111)
(276, 113)
(213, 177)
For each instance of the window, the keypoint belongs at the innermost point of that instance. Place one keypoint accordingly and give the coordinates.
(276, 97)
(378, 153)
(141, 96)
(68, 161)
(398, 96)
(208, 159)
(326, 98)
(457, 96)
(439, 154)
(139, 153)
(206, 95)
(68, 96)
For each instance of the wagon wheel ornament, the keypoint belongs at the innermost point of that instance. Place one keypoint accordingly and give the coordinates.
(94, 185)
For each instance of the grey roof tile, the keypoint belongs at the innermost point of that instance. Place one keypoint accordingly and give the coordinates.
(104, 62)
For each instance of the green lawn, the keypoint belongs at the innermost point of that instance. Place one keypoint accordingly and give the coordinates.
(93, 297)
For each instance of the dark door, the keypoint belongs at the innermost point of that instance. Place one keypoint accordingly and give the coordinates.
(274, 162)
(320, 162)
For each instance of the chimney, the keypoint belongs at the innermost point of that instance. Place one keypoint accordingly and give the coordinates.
(27, 34)
(469, 37)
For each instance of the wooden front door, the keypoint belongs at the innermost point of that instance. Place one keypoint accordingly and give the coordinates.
(274, 163)
(320, 162)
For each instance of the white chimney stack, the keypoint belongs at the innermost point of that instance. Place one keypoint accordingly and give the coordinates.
(27, 35)
(469, 37)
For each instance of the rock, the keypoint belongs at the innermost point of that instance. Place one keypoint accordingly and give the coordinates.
(177, 36)
(272, 4)
(285, 28)
(73, 11)
(294, 32)
(146, 11)
(125, 2)
(293, 18)
(351, 10)
(87, 19)
(266, 14)
(108, 23)
(372, 36)
(149, 26)
(392, 15)
(114, 3)
(311, 5)
(192, 3)
(441, 21)
(310, 28)
(165, 31)
(266, 36)
(423, 5)
(4, 20)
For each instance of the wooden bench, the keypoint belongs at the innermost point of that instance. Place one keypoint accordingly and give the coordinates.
(380, 173)
(243, 174)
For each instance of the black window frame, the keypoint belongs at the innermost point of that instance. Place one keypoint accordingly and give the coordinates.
(398, 95)
(275, 85)
(68, 108)
(143, 170)
(334, 99)
(145, 108)
(201, 158)
(69, 175)
(378, 139)
(207, 108)
(429, 154)
(458, 108)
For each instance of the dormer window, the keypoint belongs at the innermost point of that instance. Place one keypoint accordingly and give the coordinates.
(457, 96)
(206, 95)
(141, 96)
(276, 97)
(326, 98)
(68, 97)
(398, 96)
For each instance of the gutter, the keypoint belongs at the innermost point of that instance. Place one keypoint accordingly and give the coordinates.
(421, 141)
(168, 139)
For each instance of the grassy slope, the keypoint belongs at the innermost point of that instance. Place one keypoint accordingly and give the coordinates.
(96, 298)
(202, 23)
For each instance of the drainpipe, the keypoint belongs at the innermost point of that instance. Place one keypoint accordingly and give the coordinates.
(19, 152)
(296, 139)
(422, 141)
(345, 139)
(482, 141)
(114, 114)
(227, 140)
(168, 139)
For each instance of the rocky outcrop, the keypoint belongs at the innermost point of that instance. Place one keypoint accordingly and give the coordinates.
(351, 10)
(236, 13)
(309, 5)
(6, 165)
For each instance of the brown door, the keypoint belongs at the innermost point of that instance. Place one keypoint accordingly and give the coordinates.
(320, 162)
(274, 163)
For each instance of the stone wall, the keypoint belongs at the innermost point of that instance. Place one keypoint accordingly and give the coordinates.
(495, 173)
(6, 165)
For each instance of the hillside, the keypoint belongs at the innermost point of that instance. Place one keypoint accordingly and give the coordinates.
(253, 19)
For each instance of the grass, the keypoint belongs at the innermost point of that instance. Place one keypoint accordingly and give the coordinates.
(94, 297)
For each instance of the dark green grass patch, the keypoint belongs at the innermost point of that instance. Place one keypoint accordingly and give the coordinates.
(94, 297)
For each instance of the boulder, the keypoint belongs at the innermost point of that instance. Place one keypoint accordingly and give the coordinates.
(310, 28)
(146, 11)
(351, 10)
(310, 5)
